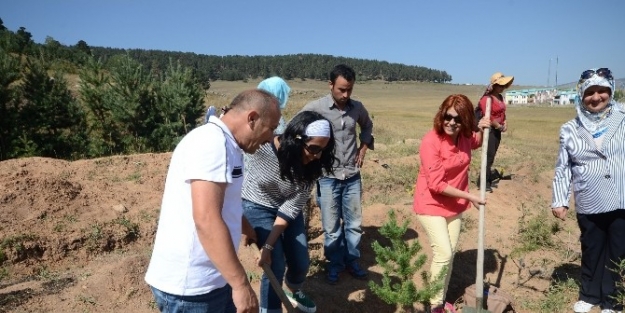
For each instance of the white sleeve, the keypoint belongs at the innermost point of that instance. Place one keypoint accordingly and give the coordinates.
(207, 155)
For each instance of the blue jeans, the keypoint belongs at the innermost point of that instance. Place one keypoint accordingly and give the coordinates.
(340, 199)
(290, 252)
(216, 301)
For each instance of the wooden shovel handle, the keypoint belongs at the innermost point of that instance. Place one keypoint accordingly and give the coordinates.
(274, 283)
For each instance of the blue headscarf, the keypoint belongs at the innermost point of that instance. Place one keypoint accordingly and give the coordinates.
(279, 88)
(594, 122)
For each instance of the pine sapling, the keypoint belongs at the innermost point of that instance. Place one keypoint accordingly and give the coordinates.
(400, 262)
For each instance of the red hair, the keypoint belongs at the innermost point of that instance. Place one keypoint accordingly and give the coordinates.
(464, 107)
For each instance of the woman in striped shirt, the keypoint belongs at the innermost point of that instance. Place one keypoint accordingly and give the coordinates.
(276, 188)
(590, 158)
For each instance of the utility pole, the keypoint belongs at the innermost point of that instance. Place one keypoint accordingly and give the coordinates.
(549, 73)
(556, 72)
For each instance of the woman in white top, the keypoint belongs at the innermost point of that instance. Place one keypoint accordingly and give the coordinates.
(590, 159)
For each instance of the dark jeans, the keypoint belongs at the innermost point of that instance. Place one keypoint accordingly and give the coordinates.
(216, 301)
(603, 244)
(289, 253)
(494, 138)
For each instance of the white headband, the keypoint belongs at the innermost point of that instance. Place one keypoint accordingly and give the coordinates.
(318, 128)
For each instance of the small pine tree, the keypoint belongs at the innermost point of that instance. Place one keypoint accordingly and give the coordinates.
(400, 262)
(9, 102)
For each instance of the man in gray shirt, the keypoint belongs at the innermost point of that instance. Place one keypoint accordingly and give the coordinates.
(339, 195)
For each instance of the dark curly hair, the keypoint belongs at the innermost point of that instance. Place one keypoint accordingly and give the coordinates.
(291, 150)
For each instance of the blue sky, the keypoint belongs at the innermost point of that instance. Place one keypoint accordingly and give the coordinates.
(470, 39)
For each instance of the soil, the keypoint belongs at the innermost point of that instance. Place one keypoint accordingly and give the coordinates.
(77, 236)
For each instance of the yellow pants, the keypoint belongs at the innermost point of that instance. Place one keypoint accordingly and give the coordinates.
(443, 233)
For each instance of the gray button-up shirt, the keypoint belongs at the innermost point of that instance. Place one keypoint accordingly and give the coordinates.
(344, 126)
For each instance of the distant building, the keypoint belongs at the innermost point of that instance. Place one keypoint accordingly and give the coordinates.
(565, 97)
(540, 96)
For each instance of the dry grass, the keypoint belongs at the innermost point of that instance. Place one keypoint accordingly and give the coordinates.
(402, 114)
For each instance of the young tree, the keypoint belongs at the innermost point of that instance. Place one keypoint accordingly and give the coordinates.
(9, 74)
(179, 105)
(96, 96)
(132, 104)
(400, 262)
(53, 124)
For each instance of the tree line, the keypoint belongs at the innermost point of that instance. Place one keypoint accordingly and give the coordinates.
(231, 68)
(131, 101)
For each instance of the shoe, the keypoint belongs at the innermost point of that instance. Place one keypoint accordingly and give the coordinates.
(438, 309)
(449, 308)
(301, 301)
(446, 308)
(355, 270)
(582, 307)
(332, 277)
(610, 311)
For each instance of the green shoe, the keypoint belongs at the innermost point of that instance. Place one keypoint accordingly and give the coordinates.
(301, 301)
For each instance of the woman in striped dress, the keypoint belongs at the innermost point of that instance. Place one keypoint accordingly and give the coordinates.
(590, 158)
(277, 185)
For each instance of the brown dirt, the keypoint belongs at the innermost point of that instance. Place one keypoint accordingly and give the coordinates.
(77, 236)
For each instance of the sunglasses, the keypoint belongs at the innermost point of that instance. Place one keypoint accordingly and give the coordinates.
(449, 117)
(314, 149)
(602, 72)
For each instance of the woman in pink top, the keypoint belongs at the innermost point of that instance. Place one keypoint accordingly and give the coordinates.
(441, 193)
(498, 83)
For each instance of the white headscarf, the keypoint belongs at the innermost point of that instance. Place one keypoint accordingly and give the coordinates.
(318, 128)
(594, 122)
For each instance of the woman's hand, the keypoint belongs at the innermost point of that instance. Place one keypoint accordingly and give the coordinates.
(483, 123)
(559, 212)
(504, 127)
(265, 257)
(477, 201)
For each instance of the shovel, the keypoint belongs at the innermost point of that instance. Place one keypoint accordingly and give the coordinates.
(479, 276)
(275, 284)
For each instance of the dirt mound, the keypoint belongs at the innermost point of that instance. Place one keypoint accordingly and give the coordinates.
(77, 236)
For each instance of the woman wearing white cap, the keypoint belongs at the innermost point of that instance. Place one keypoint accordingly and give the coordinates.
(498, 82)
(590, 159)
(277, 184)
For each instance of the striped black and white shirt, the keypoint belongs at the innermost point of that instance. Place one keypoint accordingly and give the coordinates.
(596, 173)
(262, 184)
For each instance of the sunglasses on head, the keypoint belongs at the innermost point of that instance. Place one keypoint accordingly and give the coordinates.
(314, 149)
(449, 117)
(602, 72)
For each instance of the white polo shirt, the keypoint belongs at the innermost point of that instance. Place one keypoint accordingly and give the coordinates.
(179, 264)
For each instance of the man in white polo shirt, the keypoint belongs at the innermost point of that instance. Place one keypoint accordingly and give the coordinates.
(194, 262)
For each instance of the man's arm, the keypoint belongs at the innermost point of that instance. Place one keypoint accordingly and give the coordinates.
(214, 235)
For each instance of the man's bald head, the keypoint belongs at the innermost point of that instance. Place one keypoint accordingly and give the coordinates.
(258, 100)
(252, 117)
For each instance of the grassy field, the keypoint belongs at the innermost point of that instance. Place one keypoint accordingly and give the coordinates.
(523, 230)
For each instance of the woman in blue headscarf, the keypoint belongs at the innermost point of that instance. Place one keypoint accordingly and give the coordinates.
(590, 159)
(279, 88)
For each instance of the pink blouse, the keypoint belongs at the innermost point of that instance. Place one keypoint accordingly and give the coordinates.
(442, 164)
